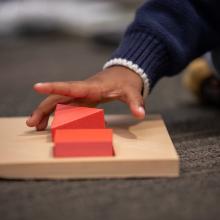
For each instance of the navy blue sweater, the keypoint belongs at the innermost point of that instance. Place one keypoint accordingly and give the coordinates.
(167, 34)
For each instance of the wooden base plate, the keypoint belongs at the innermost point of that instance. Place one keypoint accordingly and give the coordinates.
(142, 149)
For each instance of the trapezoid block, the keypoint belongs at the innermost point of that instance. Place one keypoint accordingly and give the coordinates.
(83, 143)
(71, 117)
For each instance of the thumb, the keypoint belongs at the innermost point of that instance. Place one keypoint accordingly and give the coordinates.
(135, 102)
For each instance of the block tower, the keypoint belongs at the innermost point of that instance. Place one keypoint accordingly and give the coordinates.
(80, 132)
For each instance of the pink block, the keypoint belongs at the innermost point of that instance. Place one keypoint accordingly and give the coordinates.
(83, 143)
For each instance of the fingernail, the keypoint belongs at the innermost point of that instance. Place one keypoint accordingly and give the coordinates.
(141, 110)
(28, 119)
(38, 84)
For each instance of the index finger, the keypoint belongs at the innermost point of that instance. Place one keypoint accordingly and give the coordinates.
(77, 89)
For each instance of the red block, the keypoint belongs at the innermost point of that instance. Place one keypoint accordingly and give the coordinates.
(83, 143)
(71, 117)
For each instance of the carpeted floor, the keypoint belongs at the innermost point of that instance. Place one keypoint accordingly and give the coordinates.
(194, 129)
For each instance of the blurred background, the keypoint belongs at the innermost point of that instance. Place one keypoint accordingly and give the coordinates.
(50, 40)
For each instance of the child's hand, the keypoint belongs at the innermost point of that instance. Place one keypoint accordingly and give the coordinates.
(111, 84)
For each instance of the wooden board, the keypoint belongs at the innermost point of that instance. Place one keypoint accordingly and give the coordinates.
(142, 148)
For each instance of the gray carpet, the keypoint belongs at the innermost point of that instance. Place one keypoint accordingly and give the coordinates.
(194, 129)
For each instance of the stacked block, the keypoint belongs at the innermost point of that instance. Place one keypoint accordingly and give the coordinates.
(80, 132)
(70, 117)
(83, 142)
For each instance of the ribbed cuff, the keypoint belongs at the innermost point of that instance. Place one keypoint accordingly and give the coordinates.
(147, 52)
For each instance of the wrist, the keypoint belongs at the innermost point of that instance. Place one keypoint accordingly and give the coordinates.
(132, 67)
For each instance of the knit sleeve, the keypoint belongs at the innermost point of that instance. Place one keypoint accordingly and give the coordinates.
(167, 34)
